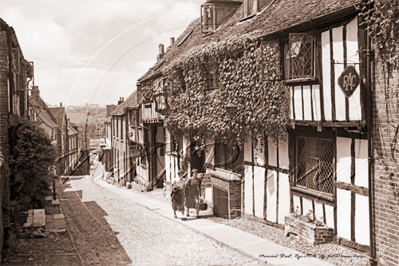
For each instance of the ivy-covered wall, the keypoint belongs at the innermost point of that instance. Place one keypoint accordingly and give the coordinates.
(249, 76)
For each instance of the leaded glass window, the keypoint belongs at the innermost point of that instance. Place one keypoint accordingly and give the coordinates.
(299, 56)
(315, 164)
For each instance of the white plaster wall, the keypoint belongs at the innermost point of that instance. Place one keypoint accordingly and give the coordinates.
(284, 197)
(344, 213)
(259, 153)
(248, 190)
(307, 205)
(352, 47)
(259, 185)
(284, 161)
(168, 168)
(316, 102)
(325, 56)
(307, 104)
(272, 152)
(362, 225)
(248, 150)
(361, 163)
(208, 194)
(344, 159)
(297, 203)
(271, 195)
(298, 102)
(330, 216)
(338, 53)
(210, 151)
(318, 211)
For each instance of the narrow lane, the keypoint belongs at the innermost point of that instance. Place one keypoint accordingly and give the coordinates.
(109, 229)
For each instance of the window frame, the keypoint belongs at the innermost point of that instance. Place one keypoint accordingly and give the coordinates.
(308, 189)
(210, 8)
(287, 58)
(250, 12)
(213, 75)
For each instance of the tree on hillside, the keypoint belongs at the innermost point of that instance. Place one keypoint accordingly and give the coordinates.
(32, 155)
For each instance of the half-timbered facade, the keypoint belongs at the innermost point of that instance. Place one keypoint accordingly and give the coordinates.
(322, 165)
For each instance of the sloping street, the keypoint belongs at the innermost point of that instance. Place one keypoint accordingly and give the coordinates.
(108, 229)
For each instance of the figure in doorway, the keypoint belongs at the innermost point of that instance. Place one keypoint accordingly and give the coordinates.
(193, 193)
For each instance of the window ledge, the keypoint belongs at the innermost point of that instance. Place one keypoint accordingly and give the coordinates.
(302, 80)
(317, 195)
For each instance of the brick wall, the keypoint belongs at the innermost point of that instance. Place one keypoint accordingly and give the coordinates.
(234, 190)
(4, 93)
(386, 167)
(3, 125)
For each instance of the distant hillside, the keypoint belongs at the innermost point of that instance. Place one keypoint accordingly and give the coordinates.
(78, 116)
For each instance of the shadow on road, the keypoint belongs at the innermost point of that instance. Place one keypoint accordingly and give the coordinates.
(93, 236)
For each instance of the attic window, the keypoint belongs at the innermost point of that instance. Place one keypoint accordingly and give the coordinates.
(208, 18)
(251, 7)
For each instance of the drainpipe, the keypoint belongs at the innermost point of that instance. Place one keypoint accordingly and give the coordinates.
(373, 260)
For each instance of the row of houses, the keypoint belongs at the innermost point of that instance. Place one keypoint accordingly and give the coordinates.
(20, 102)
(286, 108)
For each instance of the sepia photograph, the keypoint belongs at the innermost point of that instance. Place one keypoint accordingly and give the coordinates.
(199, 132)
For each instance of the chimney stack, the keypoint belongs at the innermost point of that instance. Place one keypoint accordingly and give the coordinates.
(172, 41)
(161, 51)
(121, 100)
(35, 91)
(60, 104)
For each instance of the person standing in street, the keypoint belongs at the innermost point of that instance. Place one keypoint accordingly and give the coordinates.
(177, 194)
(193, 193)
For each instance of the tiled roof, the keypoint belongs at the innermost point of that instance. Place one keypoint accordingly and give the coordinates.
(46, 119)
(37, 102)
(131, 101)
(71, 130)
(59, 115)
(275, 16)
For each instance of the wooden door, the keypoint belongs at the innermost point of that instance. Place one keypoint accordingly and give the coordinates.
(220, 202)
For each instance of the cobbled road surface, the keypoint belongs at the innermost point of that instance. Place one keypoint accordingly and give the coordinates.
(109, 229)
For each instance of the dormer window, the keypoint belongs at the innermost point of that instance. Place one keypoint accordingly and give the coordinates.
(251, 7)
(208, 22)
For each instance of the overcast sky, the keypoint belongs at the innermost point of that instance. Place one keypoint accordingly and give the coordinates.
(94, 51)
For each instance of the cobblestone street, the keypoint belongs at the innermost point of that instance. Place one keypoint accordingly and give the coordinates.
(111, 230)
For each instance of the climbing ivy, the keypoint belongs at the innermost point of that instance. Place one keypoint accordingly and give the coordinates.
(249, 76)
(382, 20)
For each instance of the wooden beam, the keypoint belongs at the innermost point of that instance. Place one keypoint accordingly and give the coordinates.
(354, 188)
(278, 173)
(313, 195)
(353, 195)
(345, 64)
(332, 76)
(253, 178)
(353, 245)
(266, 156)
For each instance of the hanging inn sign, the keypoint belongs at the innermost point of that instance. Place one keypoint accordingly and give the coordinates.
(348, 81)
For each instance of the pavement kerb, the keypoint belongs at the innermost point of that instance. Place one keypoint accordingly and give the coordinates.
(95, 180)
(159, 207)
